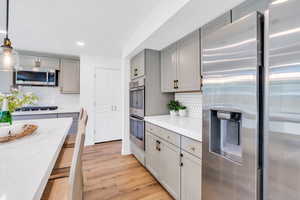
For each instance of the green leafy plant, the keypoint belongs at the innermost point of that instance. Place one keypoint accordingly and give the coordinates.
(174, 105)
(181, 107)
(17, 99)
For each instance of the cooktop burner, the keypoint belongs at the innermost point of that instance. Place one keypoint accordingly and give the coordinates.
(37, 108)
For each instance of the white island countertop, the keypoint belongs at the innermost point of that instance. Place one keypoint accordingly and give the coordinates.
(186, 126)
(26, 163)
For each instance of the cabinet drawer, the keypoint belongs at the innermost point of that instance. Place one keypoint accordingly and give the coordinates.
(165, 134)
(170, 136)
(152, 129)
(192, 146)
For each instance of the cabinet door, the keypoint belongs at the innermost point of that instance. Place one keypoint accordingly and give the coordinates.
(188, 68)
(50, 63)
(170, 166)
(137, 65)
(70, 76)
(190, 177)
(168, 68)
(153, 155)
(27, 61)
(215, 24)
(140, 64)
(248, 7)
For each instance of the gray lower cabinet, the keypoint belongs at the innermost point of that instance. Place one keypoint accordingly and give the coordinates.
(248, 7)
(176, 165)
(180, 65)
(35, 116)
(70, 76)
(190, 177)
(170, 168)
(163, 161)
(73, 128)
(153, 155)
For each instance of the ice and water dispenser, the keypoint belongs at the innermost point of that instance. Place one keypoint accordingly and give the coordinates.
(225, 137)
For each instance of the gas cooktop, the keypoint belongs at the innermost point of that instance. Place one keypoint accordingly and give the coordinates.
(37, 108)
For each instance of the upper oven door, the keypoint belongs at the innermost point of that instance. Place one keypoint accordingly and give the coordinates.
(137, 101)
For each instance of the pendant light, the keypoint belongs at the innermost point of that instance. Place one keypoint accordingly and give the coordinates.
(9, 58)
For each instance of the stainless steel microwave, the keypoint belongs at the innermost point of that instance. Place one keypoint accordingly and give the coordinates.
(38, 78)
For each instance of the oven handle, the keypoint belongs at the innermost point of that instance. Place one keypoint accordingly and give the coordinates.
(136, 119)
(137, 88)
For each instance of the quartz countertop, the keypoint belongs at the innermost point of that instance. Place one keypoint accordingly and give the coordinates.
(26, 163)
(43, 112)
(186, 126)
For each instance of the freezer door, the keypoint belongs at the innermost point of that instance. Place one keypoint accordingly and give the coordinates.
(232, 58)
(283, 149)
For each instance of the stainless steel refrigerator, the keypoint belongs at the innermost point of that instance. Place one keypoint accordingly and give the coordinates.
(233, 111)
(282, 134)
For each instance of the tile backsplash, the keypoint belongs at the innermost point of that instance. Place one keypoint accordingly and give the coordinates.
(193, 103)
(51, 96)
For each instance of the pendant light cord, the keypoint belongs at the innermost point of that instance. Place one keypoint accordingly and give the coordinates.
(7, 16)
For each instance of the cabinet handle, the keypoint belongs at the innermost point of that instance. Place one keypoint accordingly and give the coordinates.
(181, 164)
(176, 84)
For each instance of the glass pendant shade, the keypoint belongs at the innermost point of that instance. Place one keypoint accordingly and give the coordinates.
(9, 58)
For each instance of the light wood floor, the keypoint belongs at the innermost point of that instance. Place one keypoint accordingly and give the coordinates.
(109, 175)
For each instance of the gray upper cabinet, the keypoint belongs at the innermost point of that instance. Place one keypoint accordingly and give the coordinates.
(180, 65)
(188, 68)
(70, 76)
(29, 61)
(169, 68)
(190, 177)
(215, 24)
(248, 7)
(137, 65)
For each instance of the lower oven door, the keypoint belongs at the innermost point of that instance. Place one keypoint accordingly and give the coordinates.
(137, 101)
(137, 132)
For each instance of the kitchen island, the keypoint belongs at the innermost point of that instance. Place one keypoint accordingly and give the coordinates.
(26, 164)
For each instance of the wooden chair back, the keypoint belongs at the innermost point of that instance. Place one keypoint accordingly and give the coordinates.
(76, 176)
(82, 122)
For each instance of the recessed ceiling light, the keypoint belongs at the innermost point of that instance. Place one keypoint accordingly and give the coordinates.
(2, 32)
(80, 43)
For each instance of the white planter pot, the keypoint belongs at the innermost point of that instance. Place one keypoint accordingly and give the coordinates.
(173, 113)
(182, 113)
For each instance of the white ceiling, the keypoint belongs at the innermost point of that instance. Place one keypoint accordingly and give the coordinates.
(109, 28)
(55, 25)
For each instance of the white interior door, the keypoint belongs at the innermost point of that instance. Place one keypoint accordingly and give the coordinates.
(107, 105)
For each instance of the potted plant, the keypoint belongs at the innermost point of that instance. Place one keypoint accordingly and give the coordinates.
(10, 102)
(182, 111)
(173, 107)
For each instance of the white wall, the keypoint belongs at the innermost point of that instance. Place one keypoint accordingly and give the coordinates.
(51, 96)
(193, 103)
(87, 91)
(125, 73)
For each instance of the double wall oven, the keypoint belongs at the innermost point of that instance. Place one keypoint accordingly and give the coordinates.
(137, 112)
